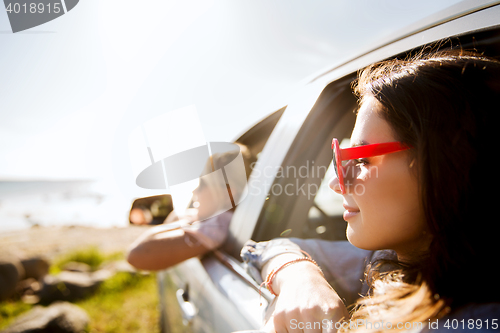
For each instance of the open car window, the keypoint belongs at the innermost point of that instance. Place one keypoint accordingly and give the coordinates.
(256, 137)
(292, 209)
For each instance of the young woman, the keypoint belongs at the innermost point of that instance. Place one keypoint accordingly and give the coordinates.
(419, 183)
(201, 229)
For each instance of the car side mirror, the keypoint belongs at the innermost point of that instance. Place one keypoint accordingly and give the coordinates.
(151, 210)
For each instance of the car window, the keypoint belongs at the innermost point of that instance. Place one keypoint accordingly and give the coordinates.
(256, 137)
(291, 209)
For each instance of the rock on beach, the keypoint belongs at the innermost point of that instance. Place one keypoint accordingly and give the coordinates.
(61, 317)
(25, 257)
(27, 254)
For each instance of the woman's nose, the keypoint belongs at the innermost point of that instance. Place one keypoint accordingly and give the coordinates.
(335, 185)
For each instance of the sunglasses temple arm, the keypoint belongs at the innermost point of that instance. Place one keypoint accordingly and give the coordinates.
(371, 150)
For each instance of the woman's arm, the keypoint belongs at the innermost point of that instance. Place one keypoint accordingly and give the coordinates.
(163, 246)
(304, 296)
(169, 244)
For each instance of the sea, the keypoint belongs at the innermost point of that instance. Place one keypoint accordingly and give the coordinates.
(24, 204)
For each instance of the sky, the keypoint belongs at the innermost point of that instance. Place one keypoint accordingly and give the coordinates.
(74, 89)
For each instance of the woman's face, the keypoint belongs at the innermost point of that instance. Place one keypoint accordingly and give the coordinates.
(381, 199)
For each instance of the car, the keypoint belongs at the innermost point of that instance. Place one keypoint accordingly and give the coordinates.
(288, 191)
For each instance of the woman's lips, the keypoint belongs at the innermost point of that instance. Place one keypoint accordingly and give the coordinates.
(350, 212)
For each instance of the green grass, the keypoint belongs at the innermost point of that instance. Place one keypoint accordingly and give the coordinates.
(124, 303)
(10, 309)
(91, 256)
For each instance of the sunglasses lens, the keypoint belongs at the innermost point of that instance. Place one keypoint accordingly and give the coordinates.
(337, 163)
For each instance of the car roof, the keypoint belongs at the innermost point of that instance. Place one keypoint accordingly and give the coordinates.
(456, 11)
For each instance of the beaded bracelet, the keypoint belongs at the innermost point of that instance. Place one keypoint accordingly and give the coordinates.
(270, 277)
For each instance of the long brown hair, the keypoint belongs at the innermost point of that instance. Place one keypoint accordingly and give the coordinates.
(443, 105)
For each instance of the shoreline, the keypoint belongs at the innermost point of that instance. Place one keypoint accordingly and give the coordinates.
(50, 242)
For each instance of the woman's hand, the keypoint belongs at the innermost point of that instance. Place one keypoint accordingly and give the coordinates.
(306, 301)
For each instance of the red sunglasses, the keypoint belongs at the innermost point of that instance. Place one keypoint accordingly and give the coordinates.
(365, 151)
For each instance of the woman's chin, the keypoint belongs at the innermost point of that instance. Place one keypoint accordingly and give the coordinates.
(355, 238)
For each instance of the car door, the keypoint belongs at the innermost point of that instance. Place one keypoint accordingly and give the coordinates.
(288, 188)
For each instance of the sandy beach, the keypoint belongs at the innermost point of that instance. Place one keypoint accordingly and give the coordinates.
(52, 241)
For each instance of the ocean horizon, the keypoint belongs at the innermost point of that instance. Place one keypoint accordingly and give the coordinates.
(28, 203)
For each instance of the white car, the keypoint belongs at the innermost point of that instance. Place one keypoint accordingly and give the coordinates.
(214, 292)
